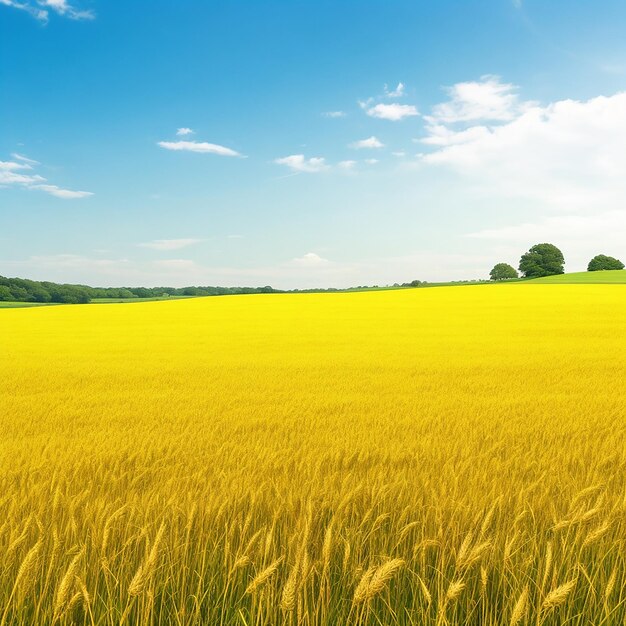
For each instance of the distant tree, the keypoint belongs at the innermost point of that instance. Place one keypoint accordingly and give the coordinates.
(503, 271)
(5, 293)
(142, 292)
(19, 294)
(39, 294)
(543, 259)
(603, 262)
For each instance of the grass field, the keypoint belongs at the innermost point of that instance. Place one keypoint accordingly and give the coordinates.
(135, 300)
(606, 277)
(21, 305)
(427, 456)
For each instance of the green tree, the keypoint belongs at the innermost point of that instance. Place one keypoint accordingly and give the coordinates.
(603, 262)
(503, 271)
(5, 293)
(542, 259)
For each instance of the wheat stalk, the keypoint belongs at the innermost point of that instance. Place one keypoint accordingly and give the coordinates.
(360, 593)
(519, 610)
(610, 585)
(62, 598)
(548, 565)
(558, 596)
(288, 596)
(596, 534)
(381, 576)
(260, 580)
(143, 575)
(425, 592)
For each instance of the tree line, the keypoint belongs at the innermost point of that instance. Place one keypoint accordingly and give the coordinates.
(545, 259)
(24, 290)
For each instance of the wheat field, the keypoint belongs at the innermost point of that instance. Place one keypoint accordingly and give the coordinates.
(433, 456)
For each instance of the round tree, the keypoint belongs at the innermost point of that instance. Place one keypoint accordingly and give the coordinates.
(603, 262)
(503, 271)
(543, 259)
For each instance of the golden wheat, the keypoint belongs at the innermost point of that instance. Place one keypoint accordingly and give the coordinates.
(432, 456)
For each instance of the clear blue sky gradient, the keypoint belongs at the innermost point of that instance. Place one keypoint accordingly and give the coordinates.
(90, 99)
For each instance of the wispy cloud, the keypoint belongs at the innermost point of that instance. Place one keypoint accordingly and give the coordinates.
(370, 142)
(334, 114)
(58, 192)
(169, 244)
(398, 92)
(182, 132)
(21, 157)
(19, 173)
(62, 7)
(41, 9)
(298, 163)
(346, 165)
(198, 146)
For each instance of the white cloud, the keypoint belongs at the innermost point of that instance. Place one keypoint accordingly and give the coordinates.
(440, 135)
(567, 156)
(12, 174)
(398, 92)
(169, 244)
(559, 165)
(310, 259)
(58, 192)
(60, 7)
(486, 99)
(10, 166)
(10, 177)
(347, 165)
(371, 161)
(394, 112)
(198, 146)
(370, 142)
(334, 114)
(298, 163)
(399, 153)
(181, 132)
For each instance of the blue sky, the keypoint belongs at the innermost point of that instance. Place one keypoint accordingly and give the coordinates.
(304, 144)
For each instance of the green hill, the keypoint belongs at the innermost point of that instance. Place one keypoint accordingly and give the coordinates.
(603, 277)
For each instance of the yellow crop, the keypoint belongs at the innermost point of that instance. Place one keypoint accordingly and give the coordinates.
(426, 456)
